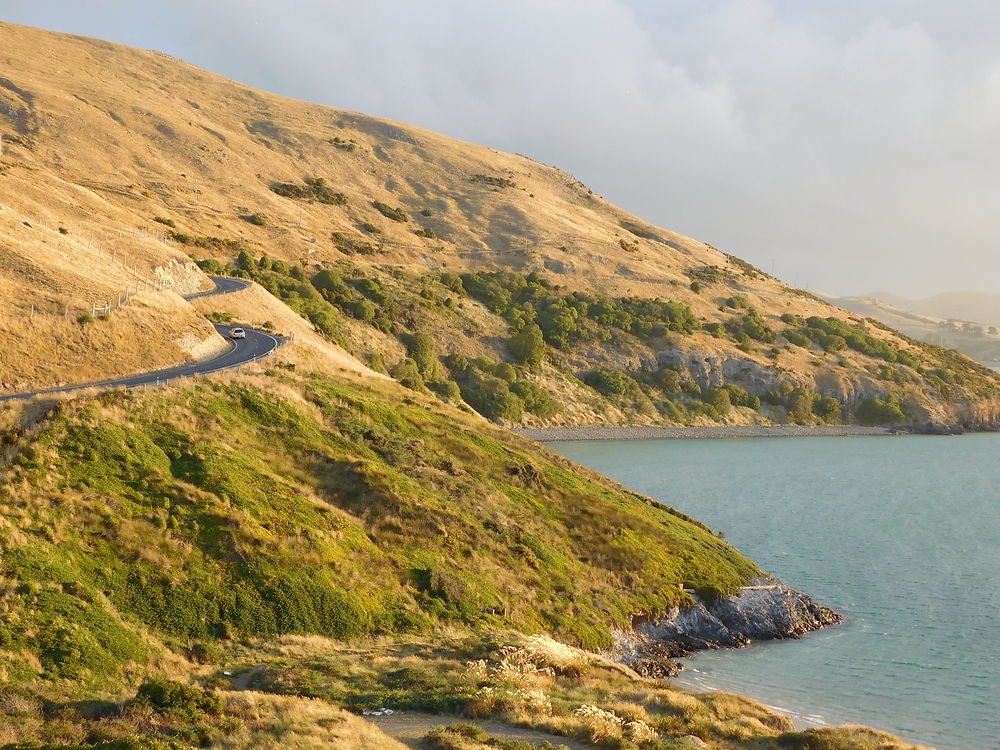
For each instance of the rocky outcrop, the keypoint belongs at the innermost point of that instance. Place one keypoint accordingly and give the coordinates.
(765, 610)
(710, 371)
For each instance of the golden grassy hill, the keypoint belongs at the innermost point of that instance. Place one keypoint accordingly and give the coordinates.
(101, 140)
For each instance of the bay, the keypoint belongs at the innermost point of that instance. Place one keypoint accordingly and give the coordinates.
(900, 534)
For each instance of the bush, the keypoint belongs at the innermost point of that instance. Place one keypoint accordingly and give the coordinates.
(369, 228)
(314, 189)
(608, 382)
(719, 400)
(537, 400)
(165, 221)
(876, 411)
(739, 396)
(453, 282)
(505, 371)
(501, 182)
(446, 389)
(798, 338)
(258, 220)
(408, 374)
(396, 214)
(829, 410)
(420, 347)
(528, 346)
(176, 698)
(426, 232)
(492, 398)
(800, 406)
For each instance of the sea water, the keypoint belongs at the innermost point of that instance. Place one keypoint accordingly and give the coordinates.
(899, 534)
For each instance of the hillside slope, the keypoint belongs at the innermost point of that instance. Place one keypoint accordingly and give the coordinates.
(136, 154)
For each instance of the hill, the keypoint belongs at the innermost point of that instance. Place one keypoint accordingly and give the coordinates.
(968, 305)
(979, 341)
(114, 153)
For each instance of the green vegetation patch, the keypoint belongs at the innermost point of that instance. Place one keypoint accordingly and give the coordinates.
(312, 189)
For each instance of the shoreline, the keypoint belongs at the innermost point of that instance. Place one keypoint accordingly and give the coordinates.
(597, 432)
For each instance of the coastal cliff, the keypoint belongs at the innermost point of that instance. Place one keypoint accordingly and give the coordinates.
(765, 610)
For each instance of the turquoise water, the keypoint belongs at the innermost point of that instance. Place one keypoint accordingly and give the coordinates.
(900, 534)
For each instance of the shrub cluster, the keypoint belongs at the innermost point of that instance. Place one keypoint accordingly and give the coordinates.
(352, 246)
(567, 318)
(805, 406)
(834, 335)
(396, 214)
(486, 179)
(314, 189)
(497, 391)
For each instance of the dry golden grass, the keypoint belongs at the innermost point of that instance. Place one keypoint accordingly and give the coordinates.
(272, 722)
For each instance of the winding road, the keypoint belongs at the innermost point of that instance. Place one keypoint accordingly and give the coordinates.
(256, 345)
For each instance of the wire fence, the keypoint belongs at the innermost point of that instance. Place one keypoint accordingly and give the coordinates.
(118, 251)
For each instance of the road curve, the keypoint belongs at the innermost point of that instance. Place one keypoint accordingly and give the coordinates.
(256, 345)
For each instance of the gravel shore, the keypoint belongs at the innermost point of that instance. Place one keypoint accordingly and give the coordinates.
(556, 434)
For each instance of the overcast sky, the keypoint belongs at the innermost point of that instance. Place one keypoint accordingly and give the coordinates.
(847, 145)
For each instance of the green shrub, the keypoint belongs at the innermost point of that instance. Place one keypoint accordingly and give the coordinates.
(877, 411)
(257, 219)
(314, 189)
(176, 698)
(797, 337)
(165, 221)
(609, 382)
(420, 347)
(426, 232)
(395, 214)
(800, 405)
(500, 182)
(537, 400)
(351, 245)
(719, 401)
(408, 374)
(830, 410)
(528, 346)
(448, 390)
(493, 398)
(369, 228)
(505, 371)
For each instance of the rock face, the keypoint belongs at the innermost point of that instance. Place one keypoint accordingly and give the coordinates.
(712, 371)
(765, 610)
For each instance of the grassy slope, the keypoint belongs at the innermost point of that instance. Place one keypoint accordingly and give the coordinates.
(313, 506)
(122, 136)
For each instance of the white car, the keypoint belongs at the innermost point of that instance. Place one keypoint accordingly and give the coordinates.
(237, 333)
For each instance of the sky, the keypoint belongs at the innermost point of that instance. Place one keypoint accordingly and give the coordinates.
(844, 145)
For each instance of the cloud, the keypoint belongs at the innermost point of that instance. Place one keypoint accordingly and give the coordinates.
(850, 144)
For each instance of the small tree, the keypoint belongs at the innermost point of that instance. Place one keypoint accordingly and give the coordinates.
(528, 346)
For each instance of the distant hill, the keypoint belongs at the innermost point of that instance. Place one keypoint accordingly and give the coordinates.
(967, 305)
(978, 340)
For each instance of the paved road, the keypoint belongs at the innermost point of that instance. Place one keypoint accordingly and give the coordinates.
(222, 286)
(256, 345)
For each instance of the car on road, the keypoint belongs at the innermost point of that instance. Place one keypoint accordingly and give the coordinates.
(237, 333)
